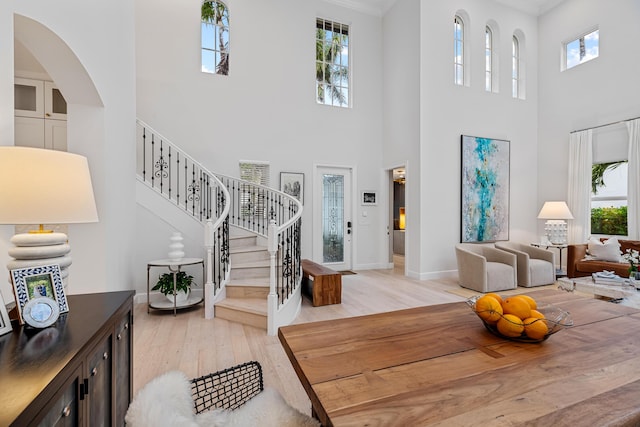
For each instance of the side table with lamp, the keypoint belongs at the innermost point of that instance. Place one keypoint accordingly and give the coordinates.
(556, 213)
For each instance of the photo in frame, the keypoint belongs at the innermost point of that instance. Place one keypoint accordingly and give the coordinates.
(369, 197)
(5, 321)
(36, 282)
(484, 189)
(292, 183)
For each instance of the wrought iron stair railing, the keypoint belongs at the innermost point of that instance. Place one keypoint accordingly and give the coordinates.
(219, 201)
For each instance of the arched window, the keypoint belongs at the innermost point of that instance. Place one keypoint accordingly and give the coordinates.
(518, 69)
(215, 37)
(488, 59)
(458, 51)
(515, 67)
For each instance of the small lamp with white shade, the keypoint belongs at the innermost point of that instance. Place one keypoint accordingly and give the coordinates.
(39, 186)
(556, 213)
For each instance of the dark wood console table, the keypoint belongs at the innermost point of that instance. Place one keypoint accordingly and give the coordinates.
(76, 372)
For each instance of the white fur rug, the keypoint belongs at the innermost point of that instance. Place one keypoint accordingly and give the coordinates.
(166, 401)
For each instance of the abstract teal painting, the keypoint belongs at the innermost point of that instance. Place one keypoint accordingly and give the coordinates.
(485, 189)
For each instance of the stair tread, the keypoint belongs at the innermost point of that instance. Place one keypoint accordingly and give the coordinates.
(251, 305)
(235, 231)
(256, 282)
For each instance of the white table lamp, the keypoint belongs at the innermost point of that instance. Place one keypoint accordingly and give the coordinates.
(40, 186)
(556, 213)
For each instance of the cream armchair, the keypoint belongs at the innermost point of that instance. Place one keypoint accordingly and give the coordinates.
(485, 268)
(536, 266)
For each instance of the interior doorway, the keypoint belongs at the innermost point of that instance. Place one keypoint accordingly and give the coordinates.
(397, 217)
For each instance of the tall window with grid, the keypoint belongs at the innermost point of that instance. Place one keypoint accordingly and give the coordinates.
(214, 30)
(332, 63)
(458, 51)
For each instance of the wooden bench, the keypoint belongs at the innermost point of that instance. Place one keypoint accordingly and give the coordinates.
(322, 284)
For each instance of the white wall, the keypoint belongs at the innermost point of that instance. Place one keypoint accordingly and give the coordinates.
(401, 130)
(79, 49)
(265, 109)
(600, 91)
(448, 111)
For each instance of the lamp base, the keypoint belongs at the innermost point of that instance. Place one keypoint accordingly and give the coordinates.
(36, 249)
(556, 231)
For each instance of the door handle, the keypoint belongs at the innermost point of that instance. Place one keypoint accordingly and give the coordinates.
(348, 227)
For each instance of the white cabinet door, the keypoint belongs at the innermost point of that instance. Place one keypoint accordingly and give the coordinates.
(29, 132)
(40, 115)
(55, 106)
(55, 135)
(28, 97)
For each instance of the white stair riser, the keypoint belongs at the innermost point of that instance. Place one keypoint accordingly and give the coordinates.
(251, 256)
(237, 242)
(248, 273)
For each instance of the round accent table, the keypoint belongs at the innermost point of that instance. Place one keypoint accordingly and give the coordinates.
(158, 301)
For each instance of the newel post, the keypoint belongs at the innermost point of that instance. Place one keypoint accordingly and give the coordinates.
(209, 286)
(272, 299)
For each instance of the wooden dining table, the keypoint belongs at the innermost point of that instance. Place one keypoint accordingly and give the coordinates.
(438, 365)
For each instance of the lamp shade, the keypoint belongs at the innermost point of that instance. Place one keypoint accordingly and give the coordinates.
(39, 186)
(555, 210)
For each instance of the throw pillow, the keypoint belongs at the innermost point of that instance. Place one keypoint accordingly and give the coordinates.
(609, 250)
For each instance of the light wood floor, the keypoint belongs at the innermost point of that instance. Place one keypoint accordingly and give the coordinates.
(196, 346)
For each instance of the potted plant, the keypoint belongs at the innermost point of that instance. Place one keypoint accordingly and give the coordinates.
(183, 286)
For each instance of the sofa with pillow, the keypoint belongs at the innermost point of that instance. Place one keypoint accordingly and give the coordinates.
(599, 255)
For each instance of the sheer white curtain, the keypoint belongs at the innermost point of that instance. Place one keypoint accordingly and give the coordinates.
(579, 191)
(633, 176)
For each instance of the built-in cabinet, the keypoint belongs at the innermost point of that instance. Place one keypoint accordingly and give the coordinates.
(75, 373)
(40, 115)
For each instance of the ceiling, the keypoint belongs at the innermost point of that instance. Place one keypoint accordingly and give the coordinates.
(379, 7)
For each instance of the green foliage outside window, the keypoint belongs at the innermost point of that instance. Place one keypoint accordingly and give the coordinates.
(609, 221)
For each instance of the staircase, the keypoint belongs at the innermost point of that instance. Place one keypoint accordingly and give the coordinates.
(248, 286)
(253, 276)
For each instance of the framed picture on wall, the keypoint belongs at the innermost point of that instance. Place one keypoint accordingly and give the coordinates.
(485, 189)
(369, 197)
(292, 183)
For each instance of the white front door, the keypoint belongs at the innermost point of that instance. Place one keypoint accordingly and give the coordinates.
(333, 226)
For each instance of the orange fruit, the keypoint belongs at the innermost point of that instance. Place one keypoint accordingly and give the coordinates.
(535, 328)
(517, 306)
(488, 309)
(496, 296)
(510, 325)
(537, 314)
(530, 300)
